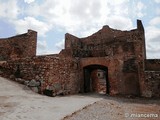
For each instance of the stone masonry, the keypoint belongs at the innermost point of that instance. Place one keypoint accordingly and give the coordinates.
(109, 61)
(19, 46)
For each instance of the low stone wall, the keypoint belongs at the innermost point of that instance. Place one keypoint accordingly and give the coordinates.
(152, 64)
(152, 84)
(59, 75)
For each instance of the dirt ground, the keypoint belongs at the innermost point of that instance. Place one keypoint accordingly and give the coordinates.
(17, 103)
(118, 108)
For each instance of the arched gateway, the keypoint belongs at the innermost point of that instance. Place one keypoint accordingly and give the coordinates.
(96, 79)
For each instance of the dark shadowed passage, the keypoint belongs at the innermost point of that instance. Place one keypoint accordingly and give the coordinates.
(96, 79)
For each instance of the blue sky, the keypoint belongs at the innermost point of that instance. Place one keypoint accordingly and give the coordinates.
(53, 18)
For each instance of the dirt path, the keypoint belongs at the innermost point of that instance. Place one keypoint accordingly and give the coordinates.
(19, 104)
(119, 109)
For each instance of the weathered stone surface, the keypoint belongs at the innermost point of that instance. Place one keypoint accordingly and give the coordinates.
(19, 46)
(152, 84)
(152, 64)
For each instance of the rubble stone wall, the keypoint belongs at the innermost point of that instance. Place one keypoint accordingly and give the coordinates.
(152, 64)
(152, 84)
(57, 74)
(152, 78)
(19, 46)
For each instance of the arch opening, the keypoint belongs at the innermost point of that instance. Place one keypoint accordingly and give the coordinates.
(96, 79)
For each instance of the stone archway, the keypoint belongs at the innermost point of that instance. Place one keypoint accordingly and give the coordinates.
(96, 79)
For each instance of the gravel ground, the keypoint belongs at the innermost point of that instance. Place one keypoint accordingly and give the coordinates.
(114, 108)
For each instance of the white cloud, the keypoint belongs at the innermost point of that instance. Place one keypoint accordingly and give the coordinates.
(140, 7)
(155, 21)
(29, 1)
(60, 45)
(158, 11)
(80, 16)
(137, 9)
(46, 52)
(152, 33)
(118, 7)
(22, 25)
(42, 45)
(157, 1)
(90, 31)
(119, 22)
(43, 49)
(153, 42)
(9, 9)
(117, 2)
(77, 15)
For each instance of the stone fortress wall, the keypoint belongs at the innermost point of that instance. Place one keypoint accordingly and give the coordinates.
(120, 54)
(20, 46)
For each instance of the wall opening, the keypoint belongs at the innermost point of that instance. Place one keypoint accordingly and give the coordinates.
(96, 79)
